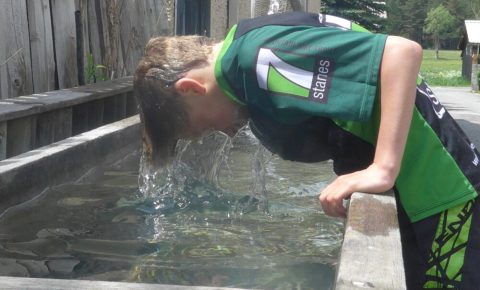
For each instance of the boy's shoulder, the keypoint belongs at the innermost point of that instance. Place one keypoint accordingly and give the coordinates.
(295, 18)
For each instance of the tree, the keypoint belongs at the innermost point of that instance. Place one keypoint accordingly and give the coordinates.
(367, 13)
(414, 13)
(439, 24)
(475, 8)
(395, 18)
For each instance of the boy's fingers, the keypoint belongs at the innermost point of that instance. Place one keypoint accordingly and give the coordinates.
(332, 204)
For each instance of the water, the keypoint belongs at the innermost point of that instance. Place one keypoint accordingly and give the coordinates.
(230, 216)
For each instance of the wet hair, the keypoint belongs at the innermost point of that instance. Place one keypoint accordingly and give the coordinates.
(162, 111)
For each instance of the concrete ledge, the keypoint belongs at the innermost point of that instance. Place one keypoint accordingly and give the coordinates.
(57, 284)
(26, 175)
(371, 255)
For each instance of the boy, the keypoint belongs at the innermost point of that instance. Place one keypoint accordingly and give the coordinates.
(318, 87)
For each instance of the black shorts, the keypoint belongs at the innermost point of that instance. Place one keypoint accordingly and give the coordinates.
(443, 251)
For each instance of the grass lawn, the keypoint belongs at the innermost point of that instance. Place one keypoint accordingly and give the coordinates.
(445, 71)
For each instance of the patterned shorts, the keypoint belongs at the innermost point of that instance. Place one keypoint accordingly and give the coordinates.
(443, 251)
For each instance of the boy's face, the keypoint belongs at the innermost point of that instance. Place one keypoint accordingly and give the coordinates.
(208, 113)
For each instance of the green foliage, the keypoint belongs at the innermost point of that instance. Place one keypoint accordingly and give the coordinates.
(367, 13)
(439, 22)
(407, 17)
(94, 72)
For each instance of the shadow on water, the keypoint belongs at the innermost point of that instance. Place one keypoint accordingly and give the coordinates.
(224, 213)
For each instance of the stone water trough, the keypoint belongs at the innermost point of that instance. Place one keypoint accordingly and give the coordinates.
(47, 139)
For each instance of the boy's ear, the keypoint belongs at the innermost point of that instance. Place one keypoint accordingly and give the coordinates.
(189, 86)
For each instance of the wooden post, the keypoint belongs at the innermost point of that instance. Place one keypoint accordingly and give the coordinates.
(371, 256)
(475, 70)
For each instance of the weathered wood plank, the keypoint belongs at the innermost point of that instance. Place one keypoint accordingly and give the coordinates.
(218, 19)
(140, 20)
(238, 10)
(58, 284)
(299, 5)
(63, 18)
(113, 58)
(41, 44)
(80, 118)
(114, 108)
(110, 110)
(3, 140)
(260, 7)
(21, 135)
(313, 6)
(371, 255)
(159, 19)
(82, 6)
(95, 114)
(15, 63)
(53, 126)
(48, 101)
(97, 27)
(135, 30)
(132, 106)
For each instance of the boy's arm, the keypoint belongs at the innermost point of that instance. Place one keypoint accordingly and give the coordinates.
(398, 72)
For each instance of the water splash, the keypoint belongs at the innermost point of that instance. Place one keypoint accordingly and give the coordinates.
(200, 174)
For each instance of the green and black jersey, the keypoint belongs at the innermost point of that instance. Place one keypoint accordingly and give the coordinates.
(310, 84)
(293, 62)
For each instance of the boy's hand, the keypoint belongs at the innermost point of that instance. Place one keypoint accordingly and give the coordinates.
(398, 72)
(373, 179)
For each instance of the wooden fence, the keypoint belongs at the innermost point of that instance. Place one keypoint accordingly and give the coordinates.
(39, 44)
(43, 47)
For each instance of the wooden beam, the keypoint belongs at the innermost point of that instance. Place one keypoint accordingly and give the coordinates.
(48, 101)
(371, 255)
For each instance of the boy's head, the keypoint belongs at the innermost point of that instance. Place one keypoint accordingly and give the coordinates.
(162, 110)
